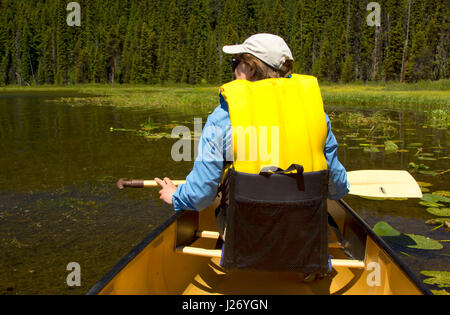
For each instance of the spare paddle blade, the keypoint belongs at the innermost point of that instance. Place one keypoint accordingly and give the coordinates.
(383, 184)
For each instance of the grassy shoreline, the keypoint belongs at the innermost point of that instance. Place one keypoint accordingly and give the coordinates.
(434, 94)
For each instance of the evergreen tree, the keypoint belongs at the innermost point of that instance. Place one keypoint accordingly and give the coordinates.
(147, 59)
(212, 59)
(395, 43)
(394, 53)
(419, 65)
(25, 58)
(348, 69)
(131, 41)
(323, 63)
(81, 70)
(64, 44)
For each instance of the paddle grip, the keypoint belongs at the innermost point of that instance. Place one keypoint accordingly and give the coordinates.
(135, 183)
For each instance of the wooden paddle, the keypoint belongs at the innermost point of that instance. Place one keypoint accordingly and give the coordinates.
(381, 183)
(368, 183)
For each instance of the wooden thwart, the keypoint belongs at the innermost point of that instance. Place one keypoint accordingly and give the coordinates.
(217, 253)
(196, 251)
(208, 234)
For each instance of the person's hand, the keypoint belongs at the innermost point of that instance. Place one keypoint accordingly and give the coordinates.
(167, 191)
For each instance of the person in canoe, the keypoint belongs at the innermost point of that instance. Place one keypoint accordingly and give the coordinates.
(265, 93)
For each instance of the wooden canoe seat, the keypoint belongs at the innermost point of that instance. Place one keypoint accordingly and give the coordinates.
(217, 253)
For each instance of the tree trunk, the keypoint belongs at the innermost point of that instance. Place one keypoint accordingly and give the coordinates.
(348, 27)
(376, 54)
(405, 49)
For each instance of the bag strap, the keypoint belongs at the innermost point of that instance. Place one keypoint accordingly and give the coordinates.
(344, 244)
(270, 170)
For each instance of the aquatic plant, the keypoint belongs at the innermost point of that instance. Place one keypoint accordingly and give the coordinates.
(435, 198)
(439, 221)
(377, 95)
(444, 193)
(149, 124)
(438, 278)
(390, 147)
(439, 212)
(391, 95)
(415, 167)
(377, 125)
(438, 118)
(149, 130)
(389, 234)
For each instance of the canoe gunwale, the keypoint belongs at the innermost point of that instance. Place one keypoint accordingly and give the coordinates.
(391, 253)
(106, 279)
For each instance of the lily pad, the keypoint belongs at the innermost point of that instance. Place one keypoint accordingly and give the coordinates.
(439, 212)
(373, 198)
(371, 149)
(389, 234)
(430, 204)
(440, 292)
(432, 173)
(437, 221)
(159, 135)
(385, 229)
(390, 146)
(424, 184)
(426, 158)
(435, 198)
(438, 278)
(420, 166)
(122, 129)
(384, 198)
(443, 193)
(422, 242)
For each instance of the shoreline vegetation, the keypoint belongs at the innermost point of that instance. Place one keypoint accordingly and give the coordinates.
(434, 94)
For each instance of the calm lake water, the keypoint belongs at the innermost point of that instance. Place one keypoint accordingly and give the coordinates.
(59, 165)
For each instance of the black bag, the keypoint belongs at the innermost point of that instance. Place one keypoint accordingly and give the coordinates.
(276, 221)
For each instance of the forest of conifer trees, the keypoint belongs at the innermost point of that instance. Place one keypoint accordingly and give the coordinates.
(168, 41)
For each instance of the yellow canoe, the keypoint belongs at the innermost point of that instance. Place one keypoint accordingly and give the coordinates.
(180, 258)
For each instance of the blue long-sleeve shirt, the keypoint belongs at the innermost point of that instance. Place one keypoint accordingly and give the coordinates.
(214, 149)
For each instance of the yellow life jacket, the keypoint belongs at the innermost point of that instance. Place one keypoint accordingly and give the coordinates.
(282, 121)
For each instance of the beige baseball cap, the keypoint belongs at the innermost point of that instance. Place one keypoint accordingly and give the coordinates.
(271, 49)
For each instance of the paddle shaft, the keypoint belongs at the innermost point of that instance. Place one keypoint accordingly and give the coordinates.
(140, 183)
